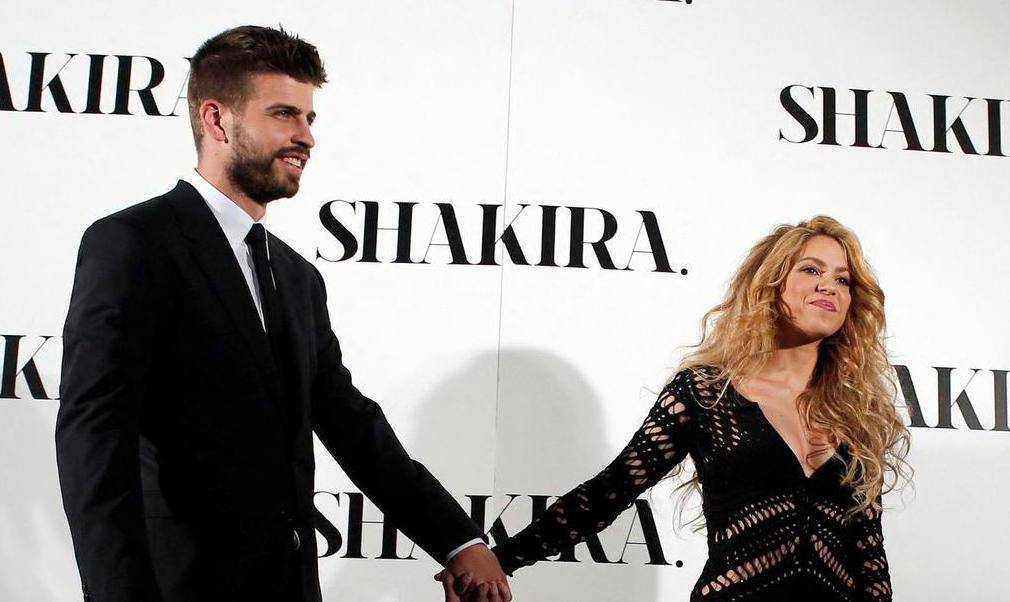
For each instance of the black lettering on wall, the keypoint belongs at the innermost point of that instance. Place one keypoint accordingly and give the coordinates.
(944, 404)
(331, 535)
(806, 121)
(10, 371)
(355, 528)
(860, 114)
(448, 232)
(37, 85)
(88, 93)
(508, 238)
(338, 230)
(900, 119)
(941, 129)
(145, 93)
(643, 512)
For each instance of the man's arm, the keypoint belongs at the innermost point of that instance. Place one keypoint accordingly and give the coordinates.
(108, 338)
(355, 431)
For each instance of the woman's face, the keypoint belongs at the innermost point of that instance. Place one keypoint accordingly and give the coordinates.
(816, 292)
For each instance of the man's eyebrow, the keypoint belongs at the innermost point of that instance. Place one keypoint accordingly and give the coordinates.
(823, 265)
(279, 105)
(292, 109)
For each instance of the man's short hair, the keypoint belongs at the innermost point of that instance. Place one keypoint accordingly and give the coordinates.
(222, 66)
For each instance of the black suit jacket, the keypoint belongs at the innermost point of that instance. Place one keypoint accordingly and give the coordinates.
(185, 458)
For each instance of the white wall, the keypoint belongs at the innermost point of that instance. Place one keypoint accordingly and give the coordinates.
(528, 379)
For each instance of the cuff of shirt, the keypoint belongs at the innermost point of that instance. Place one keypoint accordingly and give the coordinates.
(472, 542)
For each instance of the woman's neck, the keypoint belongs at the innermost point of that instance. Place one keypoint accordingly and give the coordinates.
(792, 363)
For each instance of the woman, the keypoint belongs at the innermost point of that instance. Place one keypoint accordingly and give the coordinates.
(786, 409)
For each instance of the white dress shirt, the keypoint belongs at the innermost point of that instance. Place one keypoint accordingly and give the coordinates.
(236, 224)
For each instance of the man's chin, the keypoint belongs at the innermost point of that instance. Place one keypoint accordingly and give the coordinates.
(273, 194)
(286, 194)
(289, 183)
(290, 190)
(285, 186)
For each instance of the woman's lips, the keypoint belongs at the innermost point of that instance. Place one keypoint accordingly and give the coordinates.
(828, 305)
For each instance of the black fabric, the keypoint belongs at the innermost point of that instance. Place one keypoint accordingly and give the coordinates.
(184, 435)
(275, 322)
(257, 241)
(774, 534)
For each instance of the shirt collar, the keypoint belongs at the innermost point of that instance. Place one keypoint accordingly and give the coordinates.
(233, 220)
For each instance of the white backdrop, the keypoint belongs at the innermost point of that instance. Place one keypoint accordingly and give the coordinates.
(525, 380)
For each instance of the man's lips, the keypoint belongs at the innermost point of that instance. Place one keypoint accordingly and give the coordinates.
(294, 160)
(828, 305)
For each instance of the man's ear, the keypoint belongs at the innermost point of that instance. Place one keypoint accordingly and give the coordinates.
(213, 119)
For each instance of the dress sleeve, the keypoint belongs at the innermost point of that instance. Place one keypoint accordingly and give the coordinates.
(873, 577)
(658, 446)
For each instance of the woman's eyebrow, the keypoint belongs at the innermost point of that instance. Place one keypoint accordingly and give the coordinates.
(822, 264)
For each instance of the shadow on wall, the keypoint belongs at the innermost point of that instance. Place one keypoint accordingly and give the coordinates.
(551, 436)
(38, 564)
(547, 436)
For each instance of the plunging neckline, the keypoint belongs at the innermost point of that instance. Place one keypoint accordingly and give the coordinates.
(797, 462)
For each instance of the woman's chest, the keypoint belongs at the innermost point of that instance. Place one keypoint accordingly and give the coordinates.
(737, 442)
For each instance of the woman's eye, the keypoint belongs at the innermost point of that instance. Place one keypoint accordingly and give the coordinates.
(843, 281)
(810, 270)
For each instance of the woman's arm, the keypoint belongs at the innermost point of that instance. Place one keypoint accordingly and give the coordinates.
(873, 580)
(659, 445)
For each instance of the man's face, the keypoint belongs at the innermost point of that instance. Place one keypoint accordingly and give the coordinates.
(270, 137)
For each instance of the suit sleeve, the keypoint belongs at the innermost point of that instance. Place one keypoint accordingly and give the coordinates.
(107, 351)
(355, 431)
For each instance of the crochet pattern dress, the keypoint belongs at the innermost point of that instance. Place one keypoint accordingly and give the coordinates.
(773, 533)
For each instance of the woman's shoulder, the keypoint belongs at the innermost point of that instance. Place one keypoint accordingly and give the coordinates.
(696, 385)
(696, 375)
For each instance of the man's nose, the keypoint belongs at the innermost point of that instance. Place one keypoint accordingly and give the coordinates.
(303, 136)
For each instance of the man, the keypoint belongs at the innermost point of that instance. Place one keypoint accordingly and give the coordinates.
(199, 359)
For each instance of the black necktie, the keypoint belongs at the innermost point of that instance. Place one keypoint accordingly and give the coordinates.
(272, 313)
(257, 241)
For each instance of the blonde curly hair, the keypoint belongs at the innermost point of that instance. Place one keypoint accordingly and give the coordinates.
(851, 396)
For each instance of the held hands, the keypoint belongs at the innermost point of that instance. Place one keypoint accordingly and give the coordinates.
(474, 575)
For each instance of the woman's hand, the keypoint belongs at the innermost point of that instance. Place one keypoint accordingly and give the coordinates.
(448, 583)
(461, 590)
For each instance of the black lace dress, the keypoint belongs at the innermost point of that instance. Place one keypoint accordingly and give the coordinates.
(773, 533)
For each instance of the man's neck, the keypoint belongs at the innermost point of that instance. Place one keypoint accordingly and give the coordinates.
(219, 179)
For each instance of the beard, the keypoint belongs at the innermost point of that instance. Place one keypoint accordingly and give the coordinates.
(252, 171)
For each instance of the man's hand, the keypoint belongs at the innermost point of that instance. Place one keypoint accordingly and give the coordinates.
(474, 575)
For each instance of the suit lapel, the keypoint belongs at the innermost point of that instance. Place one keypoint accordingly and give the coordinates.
(210, 248)
(292, 298)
